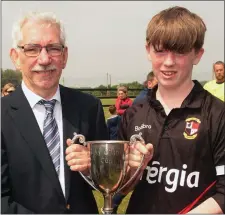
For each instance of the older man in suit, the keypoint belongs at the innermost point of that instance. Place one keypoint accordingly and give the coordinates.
(36, 121)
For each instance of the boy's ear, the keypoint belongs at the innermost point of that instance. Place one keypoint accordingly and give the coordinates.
(198, 56)
(15, 58)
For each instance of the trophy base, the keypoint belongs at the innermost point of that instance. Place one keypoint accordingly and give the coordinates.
(107, 210)
(108, 205)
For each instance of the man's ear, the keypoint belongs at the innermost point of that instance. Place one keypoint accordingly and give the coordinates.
(198, 56)
(147, 47)
(15, 58)
(65, 57)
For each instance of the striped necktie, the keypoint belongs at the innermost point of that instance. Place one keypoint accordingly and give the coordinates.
(51, 133)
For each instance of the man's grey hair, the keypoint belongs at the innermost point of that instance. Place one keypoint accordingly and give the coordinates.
(45, 17)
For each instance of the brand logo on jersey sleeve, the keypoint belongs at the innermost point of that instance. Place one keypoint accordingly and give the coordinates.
(191, 128)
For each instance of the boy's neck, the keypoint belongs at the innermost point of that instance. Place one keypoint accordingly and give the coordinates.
(173, 97)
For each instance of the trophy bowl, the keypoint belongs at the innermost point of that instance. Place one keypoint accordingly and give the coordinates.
(109, 166)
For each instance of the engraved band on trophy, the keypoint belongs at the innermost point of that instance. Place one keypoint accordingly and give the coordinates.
(109, 163)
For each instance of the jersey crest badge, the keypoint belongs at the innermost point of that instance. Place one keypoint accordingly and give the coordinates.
(191, 128)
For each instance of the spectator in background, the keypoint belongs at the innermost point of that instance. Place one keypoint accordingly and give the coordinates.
(150, 82)
(122, 101)
(7, 89)
(113, 123)
(216, 87)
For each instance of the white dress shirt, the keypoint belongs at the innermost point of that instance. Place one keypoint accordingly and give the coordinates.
(39, 112)
(159, 98)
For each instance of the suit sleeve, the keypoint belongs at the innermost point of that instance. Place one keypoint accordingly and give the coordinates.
(8, 205)
(219, 158)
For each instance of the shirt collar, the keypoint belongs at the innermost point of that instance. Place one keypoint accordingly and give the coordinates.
(193, 100)
(33, 98)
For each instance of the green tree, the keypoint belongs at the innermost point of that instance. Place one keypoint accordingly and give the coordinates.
(10, 76)
(102, 92)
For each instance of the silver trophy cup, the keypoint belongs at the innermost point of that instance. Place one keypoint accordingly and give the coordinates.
(109, 166)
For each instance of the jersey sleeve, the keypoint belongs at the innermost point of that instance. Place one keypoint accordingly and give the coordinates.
(124, 129)
(218, 147)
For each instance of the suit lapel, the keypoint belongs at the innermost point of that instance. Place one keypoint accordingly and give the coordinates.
(24, 119)
(71, 124)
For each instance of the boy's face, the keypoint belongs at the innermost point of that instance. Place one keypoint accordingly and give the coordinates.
(172, 69)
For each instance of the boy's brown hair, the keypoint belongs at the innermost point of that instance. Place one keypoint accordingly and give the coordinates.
(176, 29)
(112, 109)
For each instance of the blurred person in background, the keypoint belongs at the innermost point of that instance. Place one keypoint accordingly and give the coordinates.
(123, 101)
(7, 89)
(113, 123)
(150, 82)
(216, 87)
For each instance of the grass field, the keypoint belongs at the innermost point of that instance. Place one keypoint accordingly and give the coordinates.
(122, 208)
(108, 101)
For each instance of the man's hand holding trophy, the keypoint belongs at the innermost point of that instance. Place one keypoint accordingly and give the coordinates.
(109, 166)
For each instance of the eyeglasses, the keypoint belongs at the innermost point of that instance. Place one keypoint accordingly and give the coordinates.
(33, 50)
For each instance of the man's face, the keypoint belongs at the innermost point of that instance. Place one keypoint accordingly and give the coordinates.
(42, 72)
(172, 69)
(219, 72)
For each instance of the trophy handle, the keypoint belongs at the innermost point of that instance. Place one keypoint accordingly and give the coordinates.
(133, 139)
(80, 137)
(83, 142)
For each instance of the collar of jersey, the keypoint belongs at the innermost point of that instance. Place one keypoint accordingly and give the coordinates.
(193, 100)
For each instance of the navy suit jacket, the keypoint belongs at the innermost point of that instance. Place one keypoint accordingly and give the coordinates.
(29, 181)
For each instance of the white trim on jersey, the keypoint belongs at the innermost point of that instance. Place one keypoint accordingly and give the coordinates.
(220, 170)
